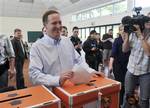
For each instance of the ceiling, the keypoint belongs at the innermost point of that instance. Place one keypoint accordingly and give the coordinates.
(15, 8)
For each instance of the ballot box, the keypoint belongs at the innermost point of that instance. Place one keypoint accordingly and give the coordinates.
(103, 90)
(33, 97)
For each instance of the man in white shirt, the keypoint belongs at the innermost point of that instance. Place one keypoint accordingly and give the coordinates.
(53, 57)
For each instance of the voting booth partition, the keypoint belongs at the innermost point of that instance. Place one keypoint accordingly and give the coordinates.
(102, 90)
(33, 97)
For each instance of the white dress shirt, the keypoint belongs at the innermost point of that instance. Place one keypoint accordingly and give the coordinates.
(50, 57)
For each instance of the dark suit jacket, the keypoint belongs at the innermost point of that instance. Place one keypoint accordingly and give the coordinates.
(19, 54)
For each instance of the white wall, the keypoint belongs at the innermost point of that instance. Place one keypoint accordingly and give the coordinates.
(8, 24)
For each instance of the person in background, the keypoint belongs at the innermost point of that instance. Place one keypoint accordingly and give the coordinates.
(119, 60)
(7, 61)
(107, 45)
(20, 53)
(100, 49)
(64, 31)
(53, 57)
(139, 62)
(76, 40)
(90, 47)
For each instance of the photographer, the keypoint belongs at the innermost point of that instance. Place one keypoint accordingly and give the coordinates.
(138, 41)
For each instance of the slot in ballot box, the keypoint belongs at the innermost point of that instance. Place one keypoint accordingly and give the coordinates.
(33, 97)
(75, 96)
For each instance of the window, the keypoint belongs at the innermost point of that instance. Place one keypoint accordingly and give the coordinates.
(80, 33)
(88, 15)
(87, 32)
(79, 17)
(91, 29)
(95, 13)
(97, 29)
(74, 18)
(107, 10)
(111, 9)
(115, 30)
(120, 7)
(83, 34)
(108, 27)
(102, 31)
(142, 3)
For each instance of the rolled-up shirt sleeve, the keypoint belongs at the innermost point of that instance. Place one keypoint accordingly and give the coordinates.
(9, 48)
(37, 76)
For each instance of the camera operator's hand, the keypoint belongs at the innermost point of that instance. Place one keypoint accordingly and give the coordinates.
(138, 31)
(126, 45)
(126, 36)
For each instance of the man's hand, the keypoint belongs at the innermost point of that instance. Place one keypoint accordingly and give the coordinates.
(11, 73)
(64, 76)
(77, 46)
(98, 74)
(138, 31)
(93, 49)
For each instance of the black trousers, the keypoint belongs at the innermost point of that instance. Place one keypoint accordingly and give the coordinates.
(92, 61)
(19, 74)
(119, 71)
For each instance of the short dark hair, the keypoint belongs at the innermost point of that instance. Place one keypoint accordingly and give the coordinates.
(46, 14)
(110, 30)
(64, 27)
(17, 30)
(98, 34)
(75, 28)
(92, 32)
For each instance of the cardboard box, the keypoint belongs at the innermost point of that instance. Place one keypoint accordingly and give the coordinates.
(33, 97)
(75, 96)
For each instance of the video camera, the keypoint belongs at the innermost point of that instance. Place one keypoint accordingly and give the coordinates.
(137, 19)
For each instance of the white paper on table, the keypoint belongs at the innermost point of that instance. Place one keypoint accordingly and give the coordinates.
(80, 76)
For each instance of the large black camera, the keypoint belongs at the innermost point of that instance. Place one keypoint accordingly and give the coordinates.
(137, 19)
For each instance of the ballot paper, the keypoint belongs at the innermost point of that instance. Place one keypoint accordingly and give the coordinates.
(80, 76)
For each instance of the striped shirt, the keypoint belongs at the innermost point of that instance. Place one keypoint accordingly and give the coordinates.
(139, 61)
(6, 49)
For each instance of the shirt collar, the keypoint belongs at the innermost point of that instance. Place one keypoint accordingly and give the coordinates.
(52, 40)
